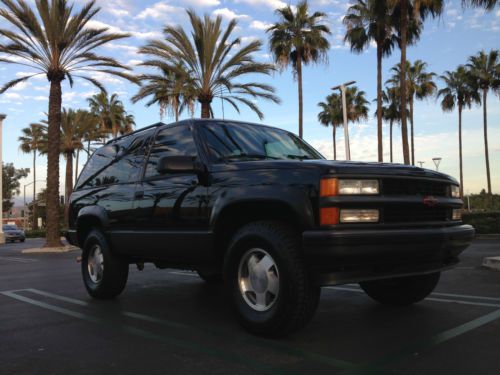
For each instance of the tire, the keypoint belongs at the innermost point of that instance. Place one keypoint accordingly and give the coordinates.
(273, 298)
(401, 291)
(210, 277)
(107, 279)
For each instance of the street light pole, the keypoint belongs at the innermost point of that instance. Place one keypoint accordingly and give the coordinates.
(437, 161)
(342, 89)
(421, 163)
(2, 237)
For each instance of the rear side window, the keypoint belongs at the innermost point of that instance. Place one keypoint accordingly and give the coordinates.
(170, 141)
(119, 162)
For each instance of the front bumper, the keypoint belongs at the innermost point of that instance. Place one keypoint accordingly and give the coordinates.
(345, 256)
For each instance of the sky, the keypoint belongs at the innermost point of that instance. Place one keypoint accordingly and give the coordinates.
(445, 43)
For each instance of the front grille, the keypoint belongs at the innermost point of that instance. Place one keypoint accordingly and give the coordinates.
(405, 213)
(414, 187)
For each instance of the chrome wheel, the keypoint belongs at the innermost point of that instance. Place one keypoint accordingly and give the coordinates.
(95, 264)
(258, 279)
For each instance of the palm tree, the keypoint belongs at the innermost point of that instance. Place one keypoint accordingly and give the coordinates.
(368, 21)
(485, 70)
(171, 90)
(459, 91)
(391, 112)
(299, 38)
(31, 141)
(111, 113)
(410, 12)
(332, 114)
(211, 62)
(55, 40)
(419, 85)
(85, 125)
(486, 4)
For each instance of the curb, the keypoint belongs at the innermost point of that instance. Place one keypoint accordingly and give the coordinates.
(493, 263)
(49, 250)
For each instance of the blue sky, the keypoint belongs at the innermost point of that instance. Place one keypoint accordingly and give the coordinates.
(445, 43)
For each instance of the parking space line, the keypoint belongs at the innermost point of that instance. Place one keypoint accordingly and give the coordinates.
(444, 300)
(19, 260)
(247, 339)
(184, 344)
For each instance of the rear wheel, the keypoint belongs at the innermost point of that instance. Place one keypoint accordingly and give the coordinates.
(104, 274)
(401, 291)
(270, 286)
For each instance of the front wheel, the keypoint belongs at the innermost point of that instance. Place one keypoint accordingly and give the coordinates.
(271, 289)
(104, 274)
(401, 291)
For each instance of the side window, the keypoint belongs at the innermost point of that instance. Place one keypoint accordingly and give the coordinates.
(119, 162)
(101, 159)
(171, 141)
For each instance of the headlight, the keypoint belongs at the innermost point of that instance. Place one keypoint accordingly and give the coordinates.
(455, 191)
(358, 187)
(358, 216)
(457, 214)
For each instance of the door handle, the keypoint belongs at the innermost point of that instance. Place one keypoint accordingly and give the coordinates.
(139, 194)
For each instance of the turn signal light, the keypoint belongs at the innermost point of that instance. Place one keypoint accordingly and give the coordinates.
(328, 187)
(329, 216)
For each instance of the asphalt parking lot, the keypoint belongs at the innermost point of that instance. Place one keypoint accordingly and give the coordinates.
(171, 322)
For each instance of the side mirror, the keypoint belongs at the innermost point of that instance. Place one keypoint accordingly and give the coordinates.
(177, 164)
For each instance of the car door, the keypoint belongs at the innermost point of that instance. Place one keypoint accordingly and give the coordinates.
(171, 209)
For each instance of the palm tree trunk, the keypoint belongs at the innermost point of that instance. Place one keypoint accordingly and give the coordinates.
(379, 103)
(334, 142)
(486, 153)
(34, 226)
(205, 109)
(53, 238)
(68, 185)
(411, 130)
(460, 150)
(76, 164)
(88, 150)
(402, 79)
(390, 126)
(299, 78)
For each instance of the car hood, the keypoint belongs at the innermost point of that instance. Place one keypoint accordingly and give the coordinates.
(336, 167)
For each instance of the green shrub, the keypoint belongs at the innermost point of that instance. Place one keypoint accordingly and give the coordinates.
(35, 233)
(484, 222)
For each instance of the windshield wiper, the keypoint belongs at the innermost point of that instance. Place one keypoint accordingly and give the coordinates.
(299, 157)
(246, 156)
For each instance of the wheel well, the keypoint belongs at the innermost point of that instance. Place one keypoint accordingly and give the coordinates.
(236, 215)
(84, 226)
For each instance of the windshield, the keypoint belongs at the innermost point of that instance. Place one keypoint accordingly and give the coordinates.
(9, 227)
(236, 141)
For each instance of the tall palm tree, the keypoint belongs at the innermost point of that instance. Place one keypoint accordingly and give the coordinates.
(485, 70)
(111, 113)
(70, 142)
(299, 38)
(408, 12)
(459, 91)
(419, 85)
(332, 114)
(367, 21)
(55, 40)
(212, 62)
(171, 90)
(31, 142)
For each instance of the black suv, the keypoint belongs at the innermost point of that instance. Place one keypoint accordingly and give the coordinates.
(261, 209)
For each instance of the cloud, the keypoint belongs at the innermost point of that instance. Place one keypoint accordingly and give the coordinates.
(259, 25)
(94, 24)
(201, 3)
(273, 4)
(159, 10)
(229, 14)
